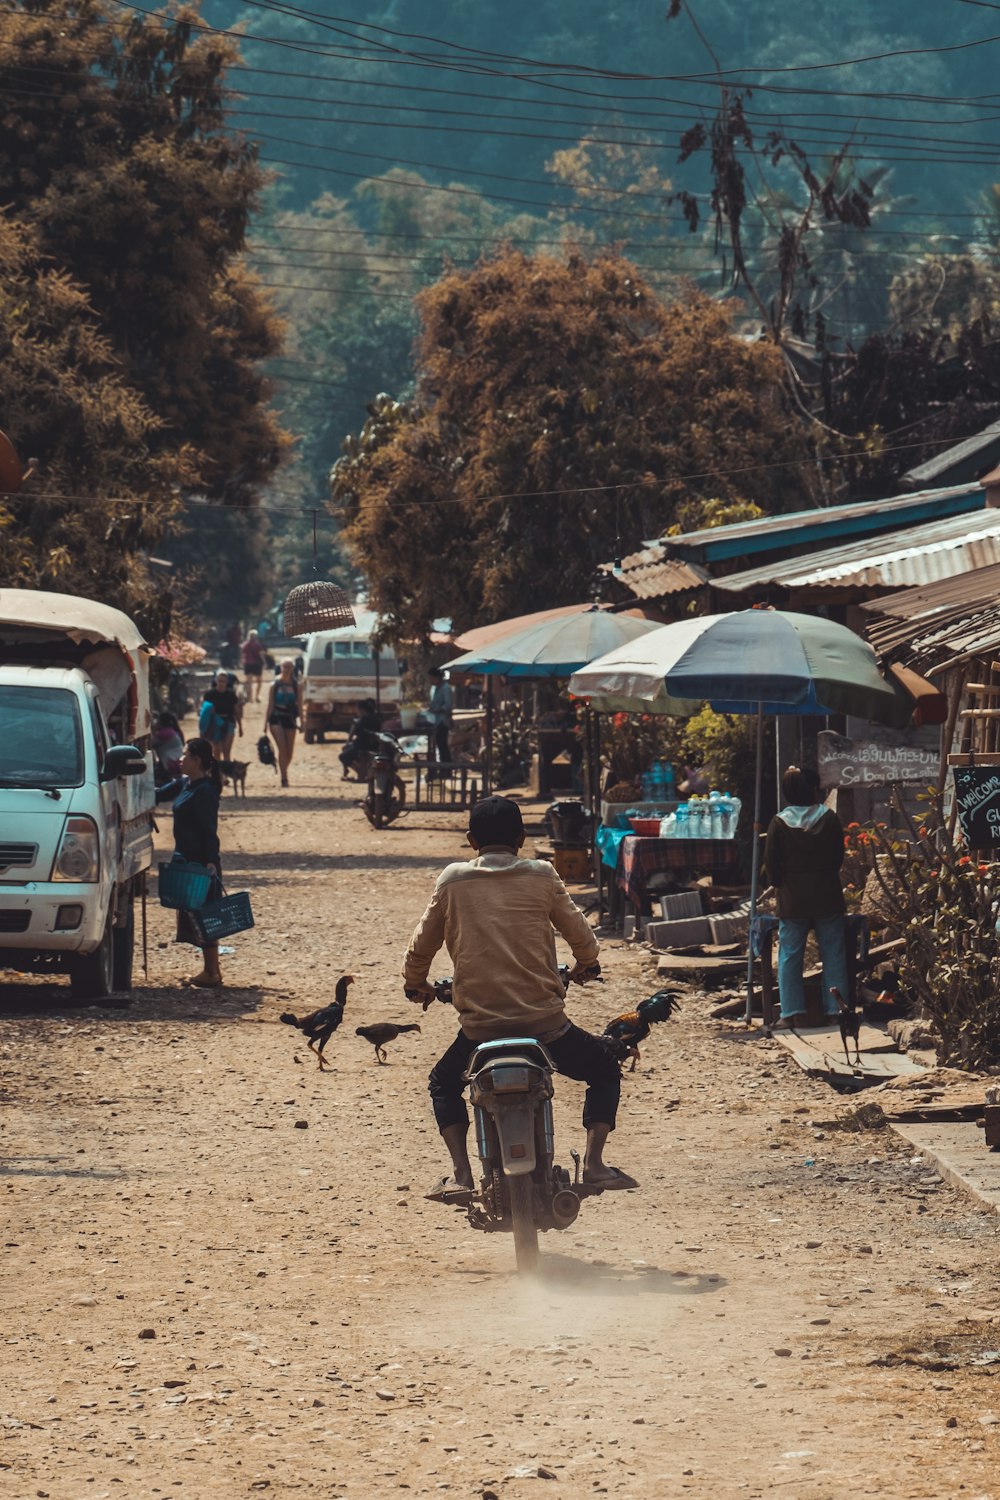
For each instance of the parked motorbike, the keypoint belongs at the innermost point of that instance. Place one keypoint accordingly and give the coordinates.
(386, 794)
(522, 1190)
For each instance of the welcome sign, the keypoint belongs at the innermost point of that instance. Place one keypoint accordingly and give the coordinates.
(977, 796)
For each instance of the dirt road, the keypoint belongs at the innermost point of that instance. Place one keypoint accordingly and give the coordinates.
(220, 1277)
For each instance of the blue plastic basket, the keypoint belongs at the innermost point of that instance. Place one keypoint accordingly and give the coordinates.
(184, 886)
(219, 919)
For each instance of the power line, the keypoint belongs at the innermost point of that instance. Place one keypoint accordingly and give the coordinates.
(698, 79)
(323, 507)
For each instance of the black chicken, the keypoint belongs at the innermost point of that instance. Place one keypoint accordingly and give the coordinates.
(319, 1025)
(850, 1025)
(381, 1033)
(623, 1035)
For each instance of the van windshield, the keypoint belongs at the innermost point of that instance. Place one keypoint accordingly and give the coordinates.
(41, 742)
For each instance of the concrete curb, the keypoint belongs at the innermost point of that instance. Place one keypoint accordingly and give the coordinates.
(958, 1153)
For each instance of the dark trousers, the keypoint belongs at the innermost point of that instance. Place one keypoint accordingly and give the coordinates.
(576, 1053)
(438, 747)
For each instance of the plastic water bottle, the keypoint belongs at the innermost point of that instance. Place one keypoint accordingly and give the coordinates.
(668, 828)
(681, 819)
(669, 785)
(648, 782)
(715, 815)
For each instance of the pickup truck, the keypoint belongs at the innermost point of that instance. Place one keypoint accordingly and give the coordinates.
(77, 791)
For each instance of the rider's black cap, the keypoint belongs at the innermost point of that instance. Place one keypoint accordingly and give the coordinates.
(496, 820)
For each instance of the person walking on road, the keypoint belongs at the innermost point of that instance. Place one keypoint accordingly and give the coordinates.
(195, 797)
(226, 716)
(284, 714)
(496, 915)
(253, 665)
(802, 859)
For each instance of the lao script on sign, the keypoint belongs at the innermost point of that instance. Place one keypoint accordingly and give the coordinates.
(876, 761)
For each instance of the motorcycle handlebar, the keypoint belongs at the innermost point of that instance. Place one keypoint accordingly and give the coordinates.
(444, 988)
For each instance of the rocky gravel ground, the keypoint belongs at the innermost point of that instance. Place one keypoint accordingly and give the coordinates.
(220, 1277)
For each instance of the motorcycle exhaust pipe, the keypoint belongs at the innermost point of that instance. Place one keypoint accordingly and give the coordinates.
(565, 1207)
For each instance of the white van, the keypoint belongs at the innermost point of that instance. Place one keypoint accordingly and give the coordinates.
(341, 669)
(76, 788)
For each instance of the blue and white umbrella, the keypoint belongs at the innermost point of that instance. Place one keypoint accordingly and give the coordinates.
(554, 647)
(765, 661)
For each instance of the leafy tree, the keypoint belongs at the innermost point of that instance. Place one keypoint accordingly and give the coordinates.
(130, 189)
(101, 495)
(562, 414)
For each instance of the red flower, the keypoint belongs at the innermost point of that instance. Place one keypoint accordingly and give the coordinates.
(619, 720)
(965, 860)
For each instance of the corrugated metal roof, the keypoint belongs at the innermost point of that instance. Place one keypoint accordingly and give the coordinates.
(939, 623)
(773, 533)
(900, 559)
(648, 575)
(965, 462)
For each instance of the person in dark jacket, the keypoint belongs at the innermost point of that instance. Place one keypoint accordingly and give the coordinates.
(363, 737)
(195, 797)
(802, 859)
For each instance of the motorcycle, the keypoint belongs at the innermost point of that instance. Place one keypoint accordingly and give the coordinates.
(386, 793)
(522, 1190)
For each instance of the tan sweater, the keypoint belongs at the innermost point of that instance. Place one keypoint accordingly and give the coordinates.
(496, 914)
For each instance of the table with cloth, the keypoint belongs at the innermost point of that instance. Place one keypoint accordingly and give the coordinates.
(638, 858)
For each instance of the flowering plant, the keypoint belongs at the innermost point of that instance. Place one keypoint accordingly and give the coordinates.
(181, 653)
(944, 901)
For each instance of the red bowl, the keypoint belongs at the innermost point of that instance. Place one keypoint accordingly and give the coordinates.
(646, 828)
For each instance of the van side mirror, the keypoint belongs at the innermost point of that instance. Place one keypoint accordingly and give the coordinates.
(123, 760)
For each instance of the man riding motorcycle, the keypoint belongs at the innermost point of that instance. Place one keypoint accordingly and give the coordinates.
(362, 740)
(496, 915)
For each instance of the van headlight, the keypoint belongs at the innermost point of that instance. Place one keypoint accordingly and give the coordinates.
(78, 858)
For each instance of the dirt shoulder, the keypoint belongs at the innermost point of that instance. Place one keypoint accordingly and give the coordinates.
(780, 1310)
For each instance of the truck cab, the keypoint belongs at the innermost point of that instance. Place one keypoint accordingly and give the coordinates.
(76, 788)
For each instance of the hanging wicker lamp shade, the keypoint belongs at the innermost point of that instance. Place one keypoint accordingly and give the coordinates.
(317, 605)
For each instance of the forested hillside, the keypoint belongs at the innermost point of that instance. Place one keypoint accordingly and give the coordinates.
(422, 132)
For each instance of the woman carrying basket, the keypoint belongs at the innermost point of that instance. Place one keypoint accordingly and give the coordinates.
(195, 797)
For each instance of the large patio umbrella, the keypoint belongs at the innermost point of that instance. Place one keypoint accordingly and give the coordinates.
(553, 643)
(753, 661)
(485, 635)
(553, 646)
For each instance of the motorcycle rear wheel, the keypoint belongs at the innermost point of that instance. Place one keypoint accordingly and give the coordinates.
(522, 1214)
(378, 810)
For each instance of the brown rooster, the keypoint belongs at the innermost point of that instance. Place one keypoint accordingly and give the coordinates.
(319, 1025)
(381, 1033)
(623, 1035)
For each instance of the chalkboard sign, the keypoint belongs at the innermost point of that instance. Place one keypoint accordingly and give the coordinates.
(977, 794)
(878, 760)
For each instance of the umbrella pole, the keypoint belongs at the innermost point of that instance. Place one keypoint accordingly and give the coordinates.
(755, 853)
(488, 762)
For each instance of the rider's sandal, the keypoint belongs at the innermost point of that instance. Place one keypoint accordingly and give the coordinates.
(447, 1190)
(617, 1182)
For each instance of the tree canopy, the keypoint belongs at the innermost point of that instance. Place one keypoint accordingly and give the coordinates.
(562, 414)
(128, 196)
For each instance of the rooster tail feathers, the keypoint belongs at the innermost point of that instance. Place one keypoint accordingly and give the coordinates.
(659, 1007)
(288, 1018)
